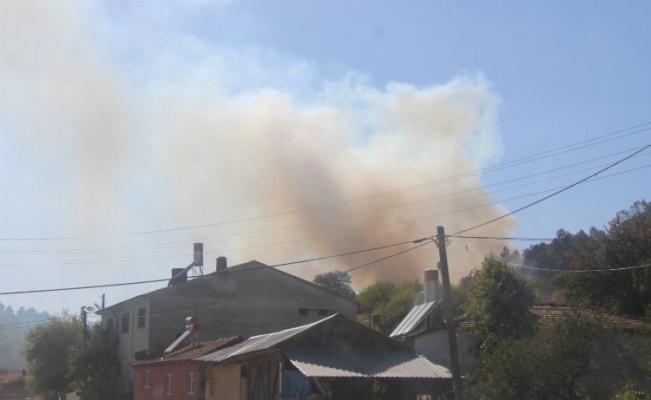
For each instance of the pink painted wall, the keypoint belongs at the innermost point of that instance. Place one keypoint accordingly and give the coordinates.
(157, 373)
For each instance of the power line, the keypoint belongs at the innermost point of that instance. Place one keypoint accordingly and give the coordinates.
(387, 257)
(72, 251)
(534, 157)
(18, 324)
(555, 193)
(576, 271)
(501, 238)
(249, 269)
(328, 234)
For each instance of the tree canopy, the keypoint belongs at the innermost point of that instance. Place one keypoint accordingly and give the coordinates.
(569, 358)
(336, 281)
(624, 249)
(59, 363)
(390, 301)
(46, 349)
(499, 301)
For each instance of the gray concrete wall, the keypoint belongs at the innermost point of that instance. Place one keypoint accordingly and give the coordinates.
(246, 300)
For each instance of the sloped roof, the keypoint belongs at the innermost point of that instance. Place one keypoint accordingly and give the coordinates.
(364, 363)
(391, 360)
(259, 342)
(252, 265)
(192, 351)
(417, 314)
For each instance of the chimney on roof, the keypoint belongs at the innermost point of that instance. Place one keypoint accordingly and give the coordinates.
(198, 254)
(183, 277)
(431, 285)
(222, 264)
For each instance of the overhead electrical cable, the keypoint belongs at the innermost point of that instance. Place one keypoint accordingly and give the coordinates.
(357, 230)
(244, 270)
(75, 251)
(387, 257)
(555, 193)
(534, 157)
(578, 271)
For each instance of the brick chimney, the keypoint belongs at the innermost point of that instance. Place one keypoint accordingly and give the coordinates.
(181, 278)
(222, 264)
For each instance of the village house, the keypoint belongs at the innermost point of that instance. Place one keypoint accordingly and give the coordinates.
(333, 358)
(175, 375)
(247, 299)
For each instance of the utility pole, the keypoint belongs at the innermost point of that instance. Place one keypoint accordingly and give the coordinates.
(83, 324)
(449, 314)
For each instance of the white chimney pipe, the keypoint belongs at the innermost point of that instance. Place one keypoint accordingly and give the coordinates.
(431, 285)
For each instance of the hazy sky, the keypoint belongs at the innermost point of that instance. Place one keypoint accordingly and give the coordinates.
(288, 130)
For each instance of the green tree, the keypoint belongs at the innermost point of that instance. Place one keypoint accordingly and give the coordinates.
(627, 243)
(390, 301)
(336, 281)
(47, 348)
(95, 369)
(499, 301)
(572, 358)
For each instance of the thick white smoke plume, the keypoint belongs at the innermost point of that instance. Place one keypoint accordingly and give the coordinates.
(277, 174)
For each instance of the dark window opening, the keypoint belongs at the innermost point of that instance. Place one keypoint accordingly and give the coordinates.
(124, 323)
(141, 317)
(302, 311)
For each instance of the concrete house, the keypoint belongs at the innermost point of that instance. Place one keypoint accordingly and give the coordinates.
(175, 375)
(247, 299)
(334, 358)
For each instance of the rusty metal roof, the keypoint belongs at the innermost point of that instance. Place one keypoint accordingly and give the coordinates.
(192, 351)
(364, 363)
(415, 317)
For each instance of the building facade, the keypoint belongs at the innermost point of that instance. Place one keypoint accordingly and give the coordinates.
(247, 299)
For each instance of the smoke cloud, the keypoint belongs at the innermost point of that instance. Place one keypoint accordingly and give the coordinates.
(278, 174)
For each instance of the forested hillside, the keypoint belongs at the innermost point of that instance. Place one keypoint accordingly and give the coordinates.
(561, 269)
(13, 328)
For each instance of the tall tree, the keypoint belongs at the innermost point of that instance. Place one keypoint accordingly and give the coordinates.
(336, 281)
(499, 301)
(95, 368)
(47, 348)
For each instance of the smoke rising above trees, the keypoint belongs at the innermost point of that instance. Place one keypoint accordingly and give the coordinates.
(211, 141)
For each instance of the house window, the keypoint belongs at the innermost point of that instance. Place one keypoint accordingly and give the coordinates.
(168, 384)
(145, 379)
(323, 311)
(141, 317)
(190, 383)
(124, 323)
(302, 311)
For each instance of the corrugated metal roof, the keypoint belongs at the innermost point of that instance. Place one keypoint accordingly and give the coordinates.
(259, 342)
(415, 317)
(192, 351)
(364, 362)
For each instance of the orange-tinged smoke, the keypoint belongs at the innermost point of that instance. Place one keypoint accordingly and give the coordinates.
(277, 177)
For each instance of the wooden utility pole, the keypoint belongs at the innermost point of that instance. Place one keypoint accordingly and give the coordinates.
(449, 314)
